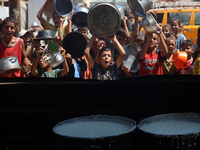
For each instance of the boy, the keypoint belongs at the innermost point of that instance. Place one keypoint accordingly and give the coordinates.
(175, 27)
(13, 46)
(47, 71)
(150, 58)
(106, 69)
(187, 46)
(168, 66)
(57, 19)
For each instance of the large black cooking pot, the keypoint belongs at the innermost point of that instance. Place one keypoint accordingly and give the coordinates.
(175, 131)
(75, 44)
(98, 132)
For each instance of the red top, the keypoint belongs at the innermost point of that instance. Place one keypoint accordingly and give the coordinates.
(185, 69)
(151, 64)
(14, 50)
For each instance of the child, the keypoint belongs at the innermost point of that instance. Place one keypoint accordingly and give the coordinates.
(106, 69)
(175, 26)
(168, 66)
(47, 71)
(187, 46)
(13, 46)
(52, 44)
(166, 29)
(150, 58)
(34, 31)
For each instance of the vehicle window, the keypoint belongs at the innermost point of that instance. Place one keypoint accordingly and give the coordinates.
(160, 17)
(184, 17)
(197, 18)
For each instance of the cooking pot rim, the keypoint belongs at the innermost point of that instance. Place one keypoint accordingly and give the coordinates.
(106, 4)
(92, 117)
(151, 119)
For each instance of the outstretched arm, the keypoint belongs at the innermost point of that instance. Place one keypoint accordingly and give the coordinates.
(40, 12)
(120, 49)
(87, 52)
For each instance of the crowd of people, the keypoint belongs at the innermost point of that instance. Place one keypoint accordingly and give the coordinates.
(103, 57)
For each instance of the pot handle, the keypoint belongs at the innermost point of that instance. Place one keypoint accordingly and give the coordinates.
(13, 60)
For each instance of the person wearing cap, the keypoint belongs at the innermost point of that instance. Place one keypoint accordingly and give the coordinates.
(26, 37)
(34, 26)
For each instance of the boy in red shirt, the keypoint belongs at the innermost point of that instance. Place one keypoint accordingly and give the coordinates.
(150, 57)
(13, 46)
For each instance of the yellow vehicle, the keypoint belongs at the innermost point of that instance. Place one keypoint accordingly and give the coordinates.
(187, 12)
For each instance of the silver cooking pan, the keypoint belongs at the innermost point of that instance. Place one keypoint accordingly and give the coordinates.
(149, 23)
(140, 6)
(9, 65)
(131, 57)
(104, 19)
(79, 18)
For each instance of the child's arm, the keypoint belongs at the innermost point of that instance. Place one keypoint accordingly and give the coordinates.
(162, 46)
(25, 59)
(34, 66)
(65, 65)
(87, 52)
(136, 29)
(69, 20)
(120, 49)
(40, 12)
(146, 46)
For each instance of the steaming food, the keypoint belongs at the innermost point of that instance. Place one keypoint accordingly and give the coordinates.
(171, 127)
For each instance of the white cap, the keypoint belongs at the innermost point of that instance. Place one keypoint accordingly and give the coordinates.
(23, 32)
(34, 24)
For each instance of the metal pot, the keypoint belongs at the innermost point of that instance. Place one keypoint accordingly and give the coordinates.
(46, 35)
(97, 132)
(75, 44)
(49, 9)
(63, 7)
(104, 19)
(55, 59)
(149, 23)
(170, 132)
(9, 65)
(131, 57)
(79, 18)
(140, 6)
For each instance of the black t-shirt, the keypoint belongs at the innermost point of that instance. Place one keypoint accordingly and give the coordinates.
(111, 73)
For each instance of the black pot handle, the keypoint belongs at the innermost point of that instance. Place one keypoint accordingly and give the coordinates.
(13, 60)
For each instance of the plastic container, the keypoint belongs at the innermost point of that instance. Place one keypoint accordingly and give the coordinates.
(179, 59)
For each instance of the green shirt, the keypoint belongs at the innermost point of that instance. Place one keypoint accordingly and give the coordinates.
(56, 73)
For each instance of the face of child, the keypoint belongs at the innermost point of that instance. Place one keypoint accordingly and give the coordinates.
(105, 59)
(43, 63)
(154, 42)
(9, 29)
(188, 49)
(26, 38)
(171, 45)
(175, 26)
(84, 32)
(120, 39)
(166, 30)
(56, 20)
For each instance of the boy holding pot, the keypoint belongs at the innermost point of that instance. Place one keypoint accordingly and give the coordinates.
(13, 46)
(47, 71)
